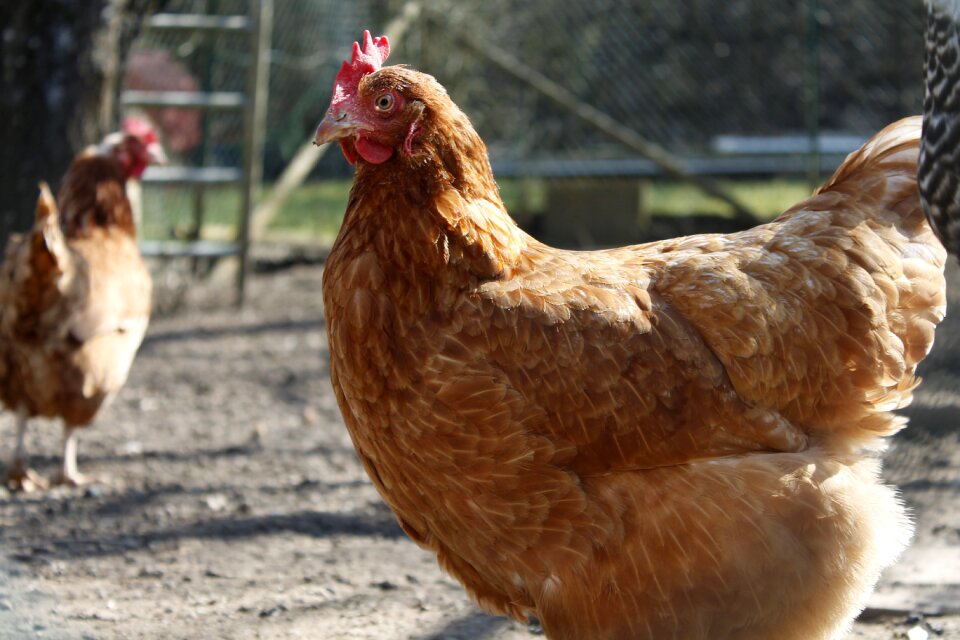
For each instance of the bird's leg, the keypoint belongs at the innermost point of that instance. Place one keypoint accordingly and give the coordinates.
(20, 477)
(68, 474)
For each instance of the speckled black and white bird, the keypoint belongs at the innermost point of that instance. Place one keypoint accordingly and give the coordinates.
(939, 170)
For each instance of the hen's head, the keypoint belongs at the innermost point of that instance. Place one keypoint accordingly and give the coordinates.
(375, 112)
(135, 147)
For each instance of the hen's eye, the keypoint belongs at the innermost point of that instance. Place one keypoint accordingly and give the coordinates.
(384, 102)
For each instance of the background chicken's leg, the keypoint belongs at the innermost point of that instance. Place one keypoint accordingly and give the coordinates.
(68, 473)
(20, 476)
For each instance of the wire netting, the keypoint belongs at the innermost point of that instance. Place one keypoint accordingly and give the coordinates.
(685, 74)
(682, 73)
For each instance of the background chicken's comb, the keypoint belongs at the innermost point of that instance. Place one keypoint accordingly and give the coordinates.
(365, 60)
(141, 128)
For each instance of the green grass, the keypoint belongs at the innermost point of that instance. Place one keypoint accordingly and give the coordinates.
(314, 211)
(168, 211)
(766, 198)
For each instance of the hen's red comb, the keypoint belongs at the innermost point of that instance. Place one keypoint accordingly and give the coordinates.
(141, 128)
(364, 61)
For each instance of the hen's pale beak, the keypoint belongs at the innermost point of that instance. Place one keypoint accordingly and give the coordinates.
(156, 154)
(334, 126)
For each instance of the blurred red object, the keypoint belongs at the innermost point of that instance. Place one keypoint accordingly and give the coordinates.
(159, 71)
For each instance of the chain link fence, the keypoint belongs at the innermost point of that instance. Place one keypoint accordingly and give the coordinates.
(701, 79)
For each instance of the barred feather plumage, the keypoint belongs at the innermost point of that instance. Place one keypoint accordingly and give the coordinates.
(939, 169)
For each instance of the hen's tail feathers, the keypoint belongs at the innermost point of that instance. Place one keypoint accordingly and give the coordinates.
(892, 152)
(939, 171)
(899, 258)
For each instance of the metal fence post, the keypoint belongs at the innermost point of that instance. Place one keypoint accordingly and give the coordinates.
(255, 120)
(811, 90)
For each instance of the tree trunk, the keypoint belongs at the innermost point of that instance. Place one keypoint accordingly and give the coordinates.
(61, 64)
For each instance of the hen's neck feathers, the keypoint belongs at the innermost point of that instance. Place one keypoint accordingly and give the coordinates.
(93, 194)
(440, 206)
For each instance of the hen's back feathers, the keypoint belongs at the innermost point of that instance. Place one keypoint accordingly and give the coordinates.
(93, 195)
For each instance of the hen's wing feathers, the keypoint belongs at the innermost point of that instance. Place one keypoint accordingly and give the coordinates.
(612, 377)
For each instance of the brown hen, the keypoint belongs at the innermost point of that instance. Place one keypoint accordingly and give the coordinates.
(670, 440)
(75, 298)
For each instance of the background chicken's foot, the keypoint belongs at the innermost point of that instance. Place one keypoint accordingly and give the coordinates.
(20, 477)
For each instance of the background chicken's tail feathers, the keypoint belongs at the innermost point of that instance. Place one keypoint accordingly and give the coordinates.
(47, 229)
(46, 205)
(939, 172)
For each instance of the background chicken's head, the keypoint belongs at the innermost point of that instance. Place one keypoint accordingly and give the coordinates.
(136, 146)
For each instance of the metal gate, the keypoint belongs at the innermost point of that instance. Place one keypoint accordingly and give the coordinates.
(255, 27)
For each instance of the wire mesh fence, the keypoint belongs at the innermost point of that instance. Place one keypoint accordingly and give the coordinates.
(682, 73)
(702, 79)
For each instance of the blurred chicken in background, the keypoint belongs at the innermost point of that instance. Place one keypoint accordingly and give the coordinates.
(75, 298)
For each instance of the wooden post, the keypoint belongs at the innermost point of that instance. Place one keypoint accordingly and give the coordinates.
(308, 155)
(255, 122)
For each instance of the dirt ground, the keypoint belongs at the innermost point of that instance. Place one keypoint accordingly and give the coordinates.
(230, 503)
